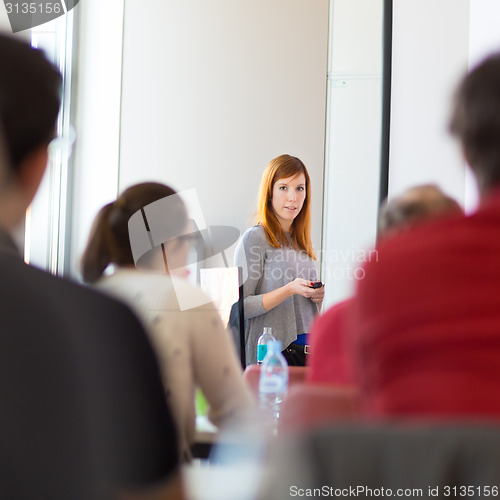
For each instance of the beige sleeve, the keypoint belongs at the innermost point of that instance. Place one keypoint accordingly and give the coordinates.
(217, 370)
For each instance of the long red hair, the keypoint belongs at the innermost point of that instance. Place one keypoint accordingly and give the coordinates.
(282, 167)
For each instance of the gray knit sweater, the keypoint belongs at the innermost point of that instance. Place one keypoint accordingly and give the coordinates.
(266, 268)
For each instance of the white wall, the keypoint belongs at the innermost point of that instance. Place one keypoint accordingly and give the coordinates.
(484, 31)
(430, 54)
(98, 115)
(214, 90)
(353, 142)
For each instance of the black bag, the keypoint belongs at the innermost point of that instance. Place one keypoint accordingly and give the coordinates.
(295, 355)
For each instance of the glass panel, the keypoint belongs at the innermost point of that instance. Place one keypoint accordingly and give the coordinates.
(45, 235)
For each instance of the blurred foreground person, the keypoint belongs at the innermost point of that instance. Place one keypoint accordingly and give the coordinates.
(83, 414)
(191, 343)
(331, 360)
(428, 313)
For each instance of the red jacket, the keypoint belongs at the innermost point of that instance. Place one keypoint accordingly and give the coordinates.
(330, 361)
(427, 316)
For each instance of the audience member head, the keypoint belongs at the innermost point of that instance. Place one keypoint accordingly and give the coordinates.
(475, 121)
(283, 167)
(29, 99)
(109, 240)
(415, 206)
(29, 105)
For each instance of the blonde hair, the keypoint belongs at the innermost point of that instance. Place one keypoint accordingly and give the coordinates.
(283, 167)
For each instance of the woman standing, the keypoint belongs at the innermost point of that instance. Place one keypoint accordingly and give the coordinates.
(278, 261)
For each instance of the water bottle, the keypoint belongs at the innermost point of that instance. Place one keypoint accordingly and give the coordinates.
(273, 383)
(264, 339)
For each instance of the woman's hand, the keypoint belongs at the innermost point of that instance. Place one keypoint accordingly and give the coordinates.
(318, 295)
(302, 287)
(298, 286)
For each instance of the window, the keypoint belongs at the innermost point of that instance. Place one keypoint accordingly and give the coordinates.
(45, 239)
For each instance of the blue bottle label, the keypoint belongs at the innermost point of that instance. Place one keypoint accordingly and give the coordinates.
(261, 352)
